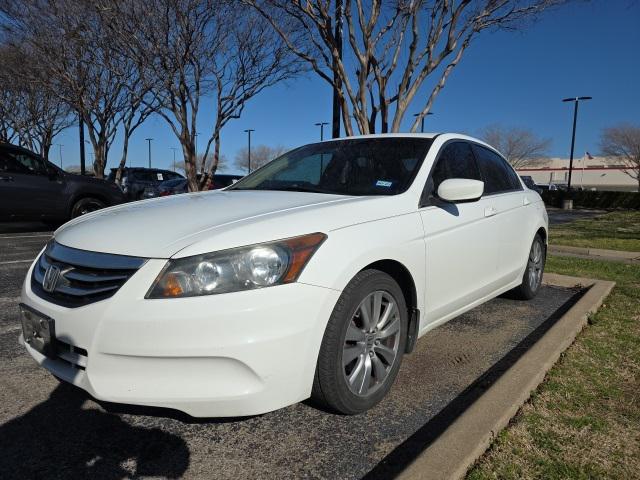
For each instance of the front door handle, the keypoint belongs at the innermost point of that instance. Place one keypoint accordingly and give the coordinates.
(490, 211)
(526, 201)
(6, 178)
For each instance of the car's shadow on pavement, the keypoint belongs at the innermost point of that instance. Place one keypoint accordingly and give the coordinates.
(60, 439)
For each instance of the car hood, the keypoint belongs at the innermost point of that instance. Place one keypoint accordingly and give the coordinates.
(194, 223)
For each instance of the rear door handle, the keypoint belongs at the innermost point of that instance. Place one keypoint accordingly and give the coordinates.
(490, 211)
(5, 178)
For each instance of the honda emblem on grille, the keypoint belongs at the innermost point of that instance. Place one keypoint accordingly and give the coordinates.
(51, 277)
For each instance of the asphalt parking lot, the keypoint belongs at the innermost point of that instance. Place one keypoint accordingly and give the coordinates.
(52, 430)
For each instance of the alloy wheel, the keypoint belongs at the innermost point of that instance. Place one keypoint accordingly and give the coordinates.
(536, 265)
(371, 343)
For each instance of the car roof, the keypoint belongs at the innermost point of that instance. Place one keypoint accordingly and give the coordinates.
(429, 136)
(17, 147)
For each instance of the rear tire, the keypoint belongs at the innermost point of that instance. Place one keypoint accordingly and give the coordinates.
(363, 344)
(532, 278)
(86, 205)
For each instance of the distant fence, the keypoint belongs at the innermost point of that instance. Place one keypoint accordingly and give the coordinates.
(590, 199)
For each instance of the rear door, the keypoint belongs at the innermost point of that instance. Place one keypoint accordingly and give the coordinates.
(506, 200)
(461, 255)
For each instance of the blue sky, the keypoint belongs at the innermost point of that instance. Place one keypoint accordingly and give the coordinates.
(511, 78)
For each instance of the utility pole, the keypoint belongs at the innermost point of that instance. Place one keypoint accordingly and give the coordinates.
(149, 142)
(321, 125)
(337, 82)
(82, 151)
(568, 204)
(249, 130)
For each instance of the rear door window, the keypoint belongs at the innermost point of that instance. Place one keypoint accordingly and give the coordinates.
(497, 175)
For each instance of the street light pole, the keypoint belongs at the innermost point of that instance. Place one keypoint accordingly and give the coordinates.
(60, 147)
(321, 125)
(249, 130)
(422, 120)
(149, 142)
(174, 157)
(575, 101)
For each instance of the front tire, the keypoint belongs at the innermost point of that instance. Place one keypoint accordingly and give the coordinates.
(86, 205)
(363, 344)
(532, 278)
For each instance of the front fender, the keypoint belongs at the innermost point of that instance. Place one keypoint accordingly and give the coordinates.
(350, 249)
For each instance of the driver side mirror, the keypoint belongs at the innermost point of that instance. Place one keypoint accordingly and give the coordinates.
(460, 190)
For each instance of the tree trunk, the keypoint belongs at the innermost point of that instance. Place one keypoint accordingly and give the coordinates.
(206, 184)
(190, 167)
(123, 160)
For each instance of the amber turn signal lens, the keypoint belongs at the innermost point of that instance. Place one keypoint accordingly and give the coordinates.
(301, 250)
(171, 287)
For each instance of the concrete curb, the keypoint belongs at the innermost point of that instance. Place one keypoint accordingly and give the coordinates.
(596, 253)
(469, 436)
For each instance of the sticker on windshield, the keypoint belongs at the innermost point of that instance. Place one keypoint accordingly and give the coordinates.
(383, 183)
(159, 175)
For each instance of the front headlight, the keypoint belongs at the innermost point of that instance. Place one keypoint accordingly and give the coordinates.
(244, 268)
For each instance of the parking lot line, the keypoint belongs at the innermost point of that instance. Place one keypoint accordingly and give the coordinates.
(8, 262)
(25, 236)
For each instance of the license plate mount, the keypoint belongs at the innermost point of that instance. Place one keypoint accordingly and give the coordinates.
(38, 331)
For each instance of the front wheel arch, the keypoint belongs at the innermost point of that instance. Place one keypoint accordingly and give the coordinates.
(404, 279)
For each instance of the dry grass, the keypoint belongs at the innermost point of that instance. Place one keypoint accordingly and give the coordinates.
(583, 422)
(614, 231)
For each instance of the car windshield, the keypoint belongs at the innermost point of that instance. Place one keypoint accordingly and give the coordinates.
(371, 166)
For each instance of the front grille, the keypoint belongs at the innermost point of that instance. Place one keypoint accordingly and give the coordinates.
(72, 278)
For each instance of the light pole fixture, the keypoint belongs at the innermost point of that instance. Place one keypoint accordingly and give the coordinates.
(248, 131)
(321, 125)
(149, 143)
(422, 120)
(174, 157)
(575, 101)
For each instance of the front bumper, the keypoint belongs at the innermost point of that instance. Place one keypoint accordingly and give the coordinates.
(234, 354)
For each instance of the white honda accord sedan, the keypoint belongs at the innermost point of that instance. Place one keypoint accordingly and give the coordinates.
(310, 277)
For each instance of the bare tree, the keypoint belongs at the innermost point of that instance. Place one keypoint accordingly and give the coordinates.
(28, 114)
(623, 143)
(253, 58)
(520, 146)
(199, 49)
(260, 155)
(78, 64)
(392, 47)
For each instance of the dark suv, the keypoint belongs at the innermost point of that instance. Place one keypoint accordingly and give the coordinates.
(135, 180)
(33, 189)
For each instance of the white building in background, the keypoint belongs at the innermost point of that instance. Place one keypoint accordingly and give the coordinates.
(590, 173)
